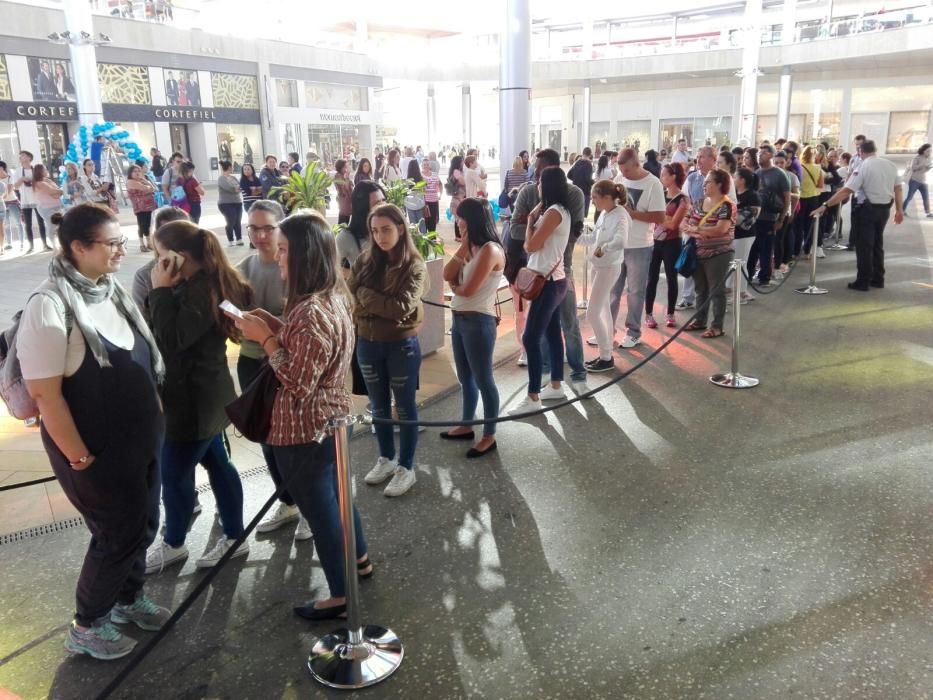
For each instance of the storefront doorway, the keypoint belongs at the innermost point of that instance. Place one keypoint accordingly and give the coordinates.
(333, 142)
(53, 141)
(180, 143)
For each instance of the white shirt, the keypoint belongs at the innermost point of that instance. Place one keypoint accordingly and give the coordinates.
(610, 234)
(552, 253)
(392, 174)
(874, 180)
(44, 351)
(680, 157)
(403, 165)
(474, 181)
(645, 195)
(27, 197)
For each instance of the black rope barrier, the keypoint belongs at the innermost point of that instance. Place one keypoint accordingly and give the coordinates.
(24, 484)
(447, 306)
(770, 290)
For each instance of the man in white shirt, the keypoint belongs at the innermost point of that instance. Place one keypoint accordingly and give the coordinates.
(680, 154)
(22, 183)
(853, 167)
(874, 186)
(646, 207)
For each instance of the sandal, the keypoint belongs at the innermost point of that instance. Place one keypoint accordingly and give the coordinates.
(713, 333)
(694, 326)
(362, 566)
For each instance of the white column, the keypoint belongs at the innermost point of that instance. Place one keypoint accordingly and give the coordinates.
(751, 49)
(674, 31)
(789, 22)
(466, 110)
(587, 103)
(845, 117)
(514, 83)
(83, 61)
(783, 107)
(432, 120)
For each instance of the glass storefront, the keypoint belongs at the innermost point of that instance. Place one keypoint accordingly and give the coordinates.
(240, 144)
(907, 131)
(328, 96)
(700, 131)
(9, 143)
(633, 131)
(337, 141)
(143, 133)
(179, 135)
(286, 92)
(873, 125)
(766, 128)
(290, 140)
(53, 140)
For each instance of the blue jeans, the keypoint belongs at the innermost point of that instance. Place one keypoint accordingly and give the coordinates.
(179, 460)
(392, 367)
(311, 474)
(473, 339)
(633, 279)
(573, 340)
(921, 187)
(544, 322)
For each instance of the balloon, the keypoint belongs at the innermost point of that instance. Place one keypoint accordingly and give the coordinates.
(449, 215)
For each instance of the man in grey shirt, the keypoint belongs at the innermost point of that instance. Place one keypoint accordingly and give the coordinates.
(171, 174)
(527, 200)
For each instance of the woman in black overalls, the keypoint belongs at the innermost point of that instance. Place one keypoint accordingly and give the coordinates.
(91, 365)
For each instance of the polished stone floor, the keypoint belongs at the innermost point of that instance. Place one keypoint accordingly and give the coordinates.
(669, 539)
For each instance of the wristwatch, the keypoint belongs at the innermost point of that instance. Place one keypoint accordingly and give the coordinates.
(81, 461)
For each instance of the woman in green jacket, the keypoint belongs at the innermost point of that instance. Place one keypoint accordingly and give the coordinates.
(190, 279)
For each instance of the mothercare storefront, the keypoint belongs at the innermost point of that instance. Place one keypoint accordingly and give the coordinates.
(336, 134)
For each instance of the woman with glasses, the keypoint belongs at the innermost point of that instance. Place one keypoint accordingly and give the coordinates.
(264, 276)
(92, 366)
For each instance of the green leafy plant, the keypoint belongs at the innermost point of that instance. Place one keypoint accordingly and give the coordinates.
(429, 244)
(398, 190)
(305, 191)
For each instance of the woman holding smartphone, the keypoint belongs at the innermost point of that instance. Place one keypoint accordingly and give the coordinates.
(190, 279)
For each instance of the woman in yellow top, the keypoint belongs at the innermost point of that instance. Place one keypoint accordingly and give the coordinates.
(811, 184)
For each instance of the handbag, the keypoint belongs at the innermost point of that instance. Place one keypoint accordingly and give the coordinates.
(529, 283)
(251, 411)
(686, 263)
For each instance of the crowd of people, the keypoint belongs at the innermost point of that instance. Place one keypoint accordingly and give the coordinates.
(132, 385)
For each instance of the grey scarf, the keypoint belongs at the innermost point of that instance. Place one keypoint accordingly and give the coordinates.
(77, 291)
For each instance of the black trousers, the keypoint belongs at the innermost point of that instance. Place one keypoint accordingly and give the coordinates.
(233, 217)
(868, 222)
(760, 254)
(667, 252)
(430, 222)
(27, 217)
(143, 223)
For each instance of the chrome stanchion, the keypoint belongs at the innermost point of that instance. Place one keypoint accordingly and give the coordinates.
(735, 379)
(812, 288)
(353, 656)
(837, 231)
(584, 302)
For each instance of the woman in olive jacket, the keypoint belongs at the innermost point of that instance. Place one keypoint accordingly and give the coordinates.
(190, 279)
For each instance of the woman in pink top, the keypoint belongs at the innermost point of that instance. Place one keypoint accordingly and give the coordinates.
(432, 195)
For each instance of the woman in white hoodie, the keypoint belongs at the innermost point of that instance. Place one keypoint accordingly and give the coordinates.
(608, 241)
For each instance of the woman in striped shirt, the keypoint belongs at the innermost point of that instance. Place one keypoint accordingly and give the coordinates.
(432, 194)
(310, 353)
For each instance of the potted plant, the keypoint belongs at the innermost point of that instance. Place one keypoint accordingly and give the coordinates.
(398, 190)
(305, 191)
(431, 248)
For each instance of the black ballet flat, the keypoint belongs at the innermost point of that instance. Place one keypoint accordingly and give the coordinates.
(360, 565)
(458, 436)
(473, 453)
(309, 612)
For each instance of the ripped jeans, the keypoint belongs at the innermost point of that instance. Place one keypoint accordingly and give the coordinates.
(394, 367)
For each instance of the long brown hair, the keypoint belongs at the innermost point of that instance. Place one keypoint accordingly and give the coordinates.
(225, 281)
(312, 258)
(375, 261)
(608, 188)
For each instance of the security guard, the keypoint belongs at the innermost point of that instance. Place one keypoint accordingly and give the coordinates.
(876, 186)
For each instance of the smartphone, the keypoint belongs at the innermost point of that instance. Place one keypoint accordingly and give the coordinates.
(231, 309)
(175, 260)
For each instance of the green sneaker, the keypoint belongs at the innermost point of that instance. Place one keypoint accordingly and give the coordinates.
(143, 613)
(102, 641)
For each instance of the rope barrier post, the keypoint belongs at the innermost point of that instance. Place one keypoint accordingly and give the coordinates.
(735, 379)
(837, 231)
(812, 288)
(353, 656)
(584, 302)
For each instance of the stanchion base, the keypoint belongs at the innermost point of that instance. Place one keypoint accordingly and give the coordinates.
(335, 663)
(835, 246)
(583, 304)
(733, 381)
(811, 290)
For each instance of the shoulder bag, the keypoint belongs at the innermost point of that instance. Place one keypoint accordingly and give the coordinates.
(529, 283)
(251, 411)
(686, 263)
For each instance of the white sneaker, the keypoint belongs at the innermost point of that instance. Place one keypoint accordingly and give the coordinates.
(402, 480)
(522, 359)
(219, 549)
(580, 388)
(161, 554)
(283, 513)
(629, 342)
(383, 470)
(820, 253)
(526, 406)
(684, 304)
(591, 341)
(303, 531)
(549, 393)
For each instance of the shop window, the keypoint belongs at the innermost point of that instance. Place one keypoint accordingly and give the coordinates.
(333, 142)
(765, 129)
(874, 125)
(907, 131)
(182, 88)
(235, 91)
(336, 97)
(823, 127)
(241, 144)
(712, 131)
(5, 92)
(124, 85)
(52, 79)
(9, 143)
(632, 131)
(286, 92)
(142, 134)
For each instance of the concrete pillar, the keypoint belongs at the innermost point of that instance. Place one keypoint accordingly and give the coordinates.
(432, 120)
(789, 22)
(845, 117)
(466, 114)
(83, 61)
(751, 50)
(783, 106)
(514, 83)
(587, 102)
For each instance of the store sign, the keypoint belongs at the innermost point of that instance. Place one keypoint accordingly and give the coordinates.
(39, 111)
(177, 114)
(336, 116)
(159, 113)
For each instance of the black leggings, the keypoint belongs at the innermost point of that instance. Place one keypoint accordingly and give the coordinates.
(27, 218)
(233, 215)
(667, 252)
(143, 223)
(430, 222)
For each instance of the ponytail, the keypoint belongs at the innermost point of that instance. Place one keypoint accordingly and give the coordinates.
(608, 188)
(621, 194)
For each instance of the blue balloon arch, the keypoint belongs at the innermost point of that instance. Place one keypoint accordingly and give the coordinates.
(80, 148)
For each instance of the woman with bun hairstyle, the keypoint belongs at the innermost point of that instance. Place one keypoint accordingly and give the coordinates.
(190, 279)
(608, 241)
(91, 365)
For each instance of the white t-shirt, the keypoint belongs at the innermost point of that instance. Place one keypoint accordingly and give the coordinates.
(544, 260)
(41, 345)
(27, 196)
(645, 195)
(680, 157)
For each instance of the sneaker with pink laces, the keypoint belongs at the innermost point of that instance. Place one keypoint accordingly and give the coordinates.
(650, 322)
(669, 321)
